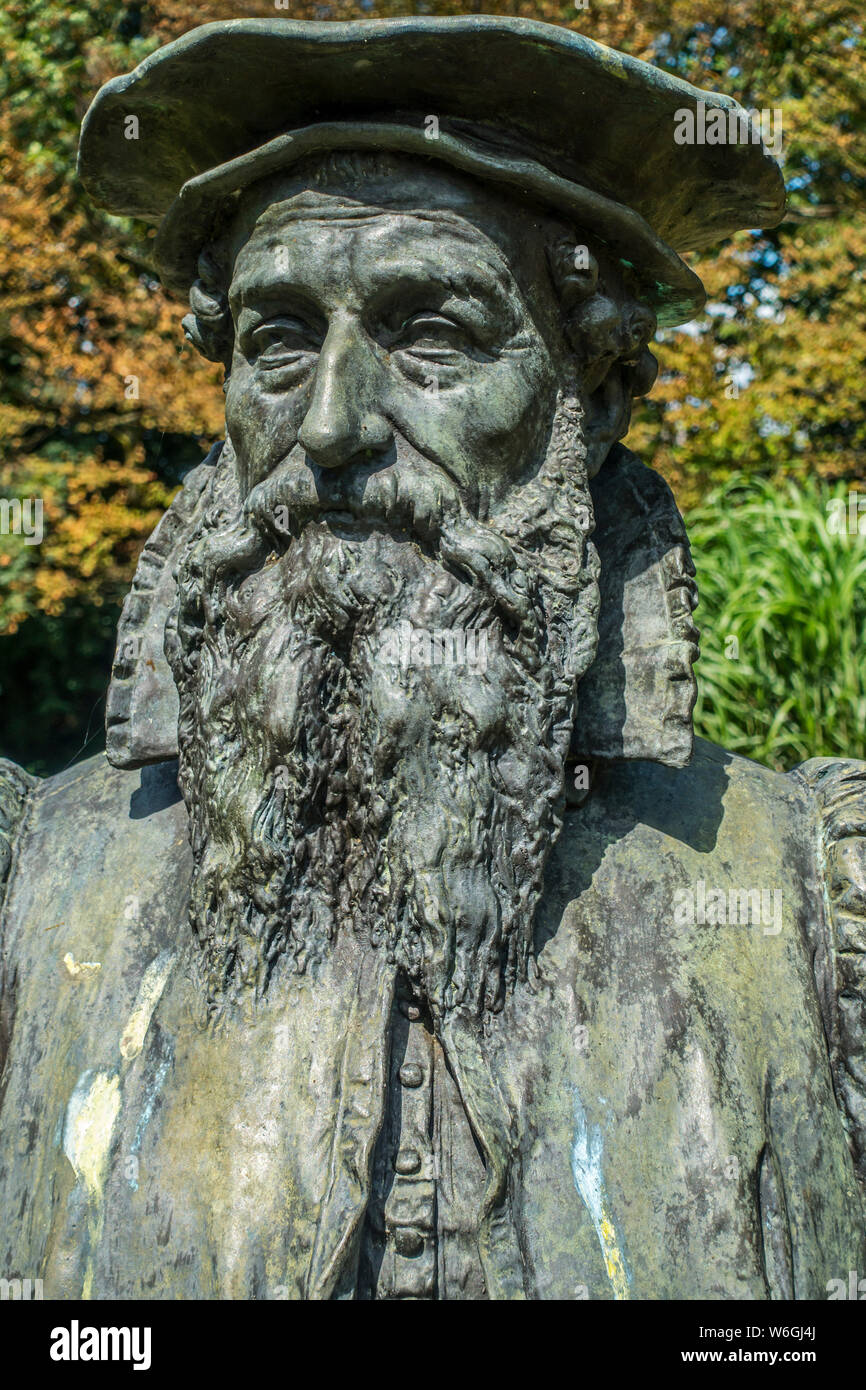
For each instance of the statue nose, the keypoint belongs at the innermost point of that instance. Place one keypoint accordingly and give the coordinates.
(344, 419)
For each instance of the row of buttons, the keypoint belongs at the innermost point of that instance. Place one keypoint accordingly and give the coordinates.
(410, 1208)
(428, 1177)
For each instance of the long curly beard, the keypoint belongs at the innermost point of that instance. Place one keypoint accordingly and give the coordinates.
(335, 783)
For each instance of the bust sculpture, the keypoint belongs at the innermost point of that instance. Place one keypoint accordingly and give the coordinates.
(407, 944)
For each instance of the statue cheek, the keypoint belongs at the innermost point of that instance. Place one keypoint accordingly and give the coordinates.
(263, 424)
(509, 413)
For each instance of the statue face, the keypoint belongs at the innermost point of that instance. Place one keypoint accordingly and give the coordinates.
(364, 332)
(398, 375)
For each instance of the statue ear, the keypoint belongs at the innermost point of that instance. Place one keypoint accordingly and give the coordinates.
(636, 699)
(142, 706)
(608, 413)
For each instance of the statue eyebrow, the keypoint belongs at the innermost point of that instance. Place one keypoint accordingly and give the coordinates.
(482, 260)
(461, 279)
(257, 289)
(481, 284)
(420, 279)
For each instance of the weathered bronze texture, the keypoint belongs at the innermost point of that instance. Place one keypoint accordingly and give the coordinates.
(406, 945)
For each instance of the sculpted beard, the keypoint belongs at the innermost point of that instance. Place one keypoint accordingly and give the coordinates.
(332, 788)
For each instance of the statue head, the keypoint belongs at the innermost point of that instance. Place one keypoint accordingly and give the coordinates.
(364, 297)
(390, 595)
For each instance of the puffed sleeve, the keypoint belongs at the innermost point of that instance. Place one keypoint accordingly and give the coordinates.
(837, 789)
(15, 787)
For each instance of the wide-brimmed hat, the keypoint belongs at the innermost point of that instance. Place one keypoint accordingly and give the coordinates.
(545, 113)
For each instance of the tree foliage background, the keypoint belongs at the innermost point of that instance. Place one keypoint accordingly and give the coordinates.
(767, 384)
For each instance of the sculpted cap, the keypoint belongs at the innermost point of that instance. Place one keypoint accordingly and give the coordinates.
(542, 111)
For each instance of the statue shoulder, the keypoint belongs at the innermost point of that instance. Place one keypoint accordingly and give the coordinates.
(100, 866)
(15, 788)
(690, 804)
(837, 793)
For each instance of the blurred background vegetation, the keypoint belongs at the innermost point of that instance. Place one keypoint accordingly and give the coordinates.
(756, 421)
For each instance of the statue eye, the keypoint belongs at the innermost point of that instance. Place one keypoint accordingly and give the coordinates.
(281, 341)
(430, 332)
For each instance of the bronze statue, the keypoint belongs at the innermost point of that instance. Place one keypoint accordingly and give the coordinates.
(454, 968)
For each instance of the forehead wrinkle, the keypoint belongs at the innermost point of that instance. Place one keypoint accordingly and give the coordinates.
(418, 259)
(320, 207)
(480, 281)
